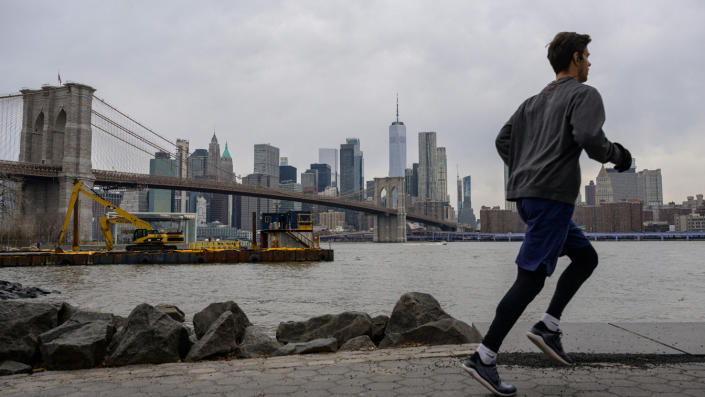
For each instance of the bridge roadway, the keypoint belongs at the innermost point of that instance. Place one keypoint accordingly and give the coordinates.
(123, 179)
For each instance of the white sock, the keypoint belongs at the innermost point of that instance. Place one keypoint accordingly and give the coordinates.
(551, 322)
(487, 356)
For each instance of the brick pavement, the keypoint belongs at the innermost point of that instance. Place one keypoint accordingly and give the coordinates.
(431, 371)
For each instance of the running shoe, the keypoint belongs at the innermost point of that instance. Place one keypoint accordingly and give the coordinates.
(549, 342)
(487, 376)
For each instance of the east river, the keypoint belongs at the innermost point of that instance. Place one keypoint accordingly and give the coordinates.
(636, 281)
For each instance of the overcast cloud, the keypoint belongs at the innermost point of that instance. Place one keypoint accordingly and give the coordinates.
(302, 75)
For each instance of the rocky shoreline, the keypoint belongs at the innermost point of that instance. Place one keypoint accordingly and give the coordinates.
(10, 290)
(58, 336)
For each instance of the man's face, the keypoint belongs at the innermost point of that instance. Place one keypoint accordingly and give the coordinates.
(584, 66)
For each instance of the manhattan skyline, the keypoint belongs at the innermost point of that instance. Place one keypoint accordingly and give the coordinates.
(307, 75)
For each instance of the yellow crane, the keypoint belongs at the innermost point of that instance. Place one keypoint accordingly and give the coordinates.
(144, 237)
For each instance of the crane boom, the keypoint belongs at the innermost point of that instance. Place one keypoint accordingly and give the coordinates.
(124, 217)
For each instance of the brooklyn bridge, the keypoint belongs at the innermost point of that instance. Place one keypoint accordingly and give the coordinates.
(56, 135)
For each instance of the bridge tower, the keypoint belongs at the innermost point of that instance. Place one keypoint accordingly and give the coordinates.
(389, 193)
(56, 131)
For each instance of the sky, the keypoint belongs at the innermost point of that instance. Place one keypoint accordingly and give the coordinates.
(304, 75)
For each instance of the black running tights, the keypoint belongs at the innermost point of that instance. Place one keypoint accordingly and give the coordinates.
(529, 283)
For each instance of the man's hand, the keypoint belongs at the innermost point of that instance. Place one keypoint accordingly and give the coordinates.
(625, 159)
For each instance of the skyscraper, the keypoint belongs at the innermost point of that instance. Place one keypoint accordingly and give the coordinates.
(649, 187)
(160, 200)
(330, 157)
(351, 167)
(428, 161)
(397, 146)
(347, 168)
(467, 217)
(442, 170)
(324, 175)
(267, 160)
(459, 195)
(213, 163)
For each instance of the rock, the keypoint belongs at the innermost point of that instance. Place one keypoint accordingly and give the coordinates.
(256, 343)
(10, 367)
(66, 311)
(203, 319)
(322, 345)
(80, 342)
(21, 323)
(358, 343)
(379, 324)
(10, 290)
(218, 340)
(342, 327)
(150, 336)
(447, 331)
(173, 312)
(418, 318)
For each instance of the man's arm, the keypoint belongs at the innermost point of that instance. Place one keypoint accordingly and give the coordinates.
(503, 141)
(587, 118)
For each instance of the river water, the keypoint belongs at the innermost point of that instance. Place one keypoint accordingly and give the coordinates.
(636, 281)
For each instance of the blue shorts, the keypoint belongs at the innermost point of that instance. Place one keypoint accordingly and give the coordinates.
(549, 233)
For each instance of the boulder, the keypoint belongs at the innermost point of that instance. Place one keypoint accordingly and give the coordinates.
(173, 312)
(379, 324)
(10, 290)
(322, 345)
(256, 343)
(342, 327)
(13, 367)
(203, 319)
(80, 342)
(418, 318)
(447, 331)
(21, 323)
(358, 343)
(150, 336)
(218, 340)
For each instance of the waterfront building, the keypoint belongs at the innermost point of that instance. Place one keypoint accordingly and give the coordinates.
(428, 161)
(160, 200)
(691, 223)
(442, 178)
(496, 220)
(201, 211)
(267, 160)
(324, 175)
(622, 217)
(330, 157)
(397, 146)
(135, 201)
(332, 220)
(590, 193)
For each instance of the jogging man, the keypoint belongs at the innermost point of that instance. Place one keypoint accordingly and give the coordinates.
(541, 144)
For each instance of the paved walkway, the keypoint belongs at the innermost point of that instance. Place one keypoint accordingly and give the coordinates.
(648, 359)
(430, 371)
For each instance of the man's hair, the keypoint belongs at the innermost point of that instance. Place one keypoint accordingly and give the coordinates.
(562, 48)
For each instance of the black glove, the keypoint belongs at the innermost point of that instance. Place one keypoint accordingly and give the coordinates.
(625, 160)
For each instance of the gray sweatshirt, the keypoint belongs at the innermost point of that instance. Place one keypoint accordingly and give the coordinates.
(542, 141)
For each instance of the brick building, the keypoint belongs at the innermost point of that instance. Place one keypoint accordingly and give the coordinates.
(623, 217)
(496, 220)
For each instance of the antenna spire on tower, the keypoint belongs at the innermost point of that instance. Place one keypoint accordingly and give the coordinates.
(397, 107)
